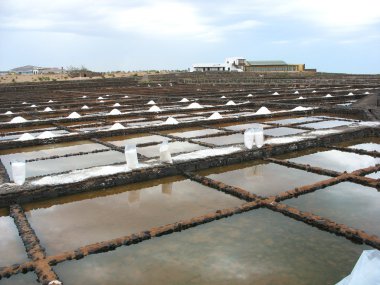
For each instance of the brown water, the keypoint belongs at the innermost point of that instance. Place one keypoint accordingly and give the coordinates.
(174, 147)
(348, 203)
(20, 279)
(259, 247)
(282, 131)
(337, 160)
(224, 140)
(264, 179)
(67, 224)
(327, 124)
(11, 247)
(134, 139)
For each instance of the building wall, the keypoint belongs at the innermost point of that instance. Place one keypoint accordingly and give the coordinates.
(274, 68)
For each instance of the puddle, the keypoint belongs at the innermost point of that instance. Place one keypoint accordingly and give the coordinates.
(27, 129)
(125, 210)
(174, 147)
(375, 175)
(367, 146)
(346, 203)
(192, 132)
(259, 247)
(224, 140)
(243, 127)
(295, 120)
(262, 179)
(11, 247)
(20, 279)
(327, 124)
(282, 131)
(134, 139)
(337, 160)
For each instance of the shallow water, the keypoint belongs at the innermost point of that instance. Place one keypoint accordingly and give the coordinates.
(174, 147)
(337, 160)
(348, 203)
(224, 140)
(262, 179)
(367, 146)
(21, 279)
(11, 247)
(242, 127)
(282, 131)
(193, 132)
(298, 120)
(375, 175)
(134, 139)
(65, 224)
(327, 124)
(259, 247)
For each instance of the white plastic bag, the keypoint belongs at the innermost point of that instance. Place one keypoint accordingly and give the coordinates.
(249, 138)
(165, 155)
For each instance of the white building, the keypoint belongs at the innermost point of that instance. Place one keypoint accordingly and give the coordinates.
(230, 64)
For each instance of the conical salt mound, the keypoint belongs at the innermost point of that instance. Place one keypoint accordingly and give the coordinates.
(366, 93)
(116, 105)
(85, 107)
(154, 109)
(100, 98)
(215, 116)
(48, 109)
(151, 102)
(74, 115)
(249, 95)
(184, 100)
(8, 113)
(275, 93)
(223, 97)
(171, 121)
(50, 101)
(33, 106)
(26, 137)
(46, 135)
(328, 95)
(296, 92)
(84, 96)
(117, 126)
(314, 91)
(301, 97)
(194, 106)
(350, 94)
(230, 103)
(263, 111)
(114, 112)
(126, 96)
(18, 119)
(300, 108)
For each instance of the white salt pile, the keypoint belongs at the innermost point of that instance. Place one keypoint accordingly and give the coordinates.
(350, 94)
(328, 96)
(100, 98)
(223, 97)
(230, 103)
(24, 103)
(26, 137)
(171, 121)
(116, 105)
(74, 115)
(300, 108)
(107, 95)
(85, 107)
(249, 95)
(314, 91)
(275, 93)
(154, 109)
(33, 106)
(151, 102)
(301, 97)
(296, 92)
(48, 109)
(263, 111)
(126, 96)
(114, 112)
(46, 135)
(101, 101)
(8, 113)
(18, 119)
(117, 126)
(194, 106)
(184, 100)
(84, 96)
(366, 93)
(215, 116)
(50, 101)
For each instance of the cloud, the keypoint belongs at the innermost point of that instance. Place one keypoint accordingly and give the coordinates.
(169, 18)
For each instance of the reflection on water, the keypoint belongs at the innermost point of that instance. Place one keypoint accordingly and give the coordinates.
(375, 175)
(194, 133)
(282, 131)
(224, 140)
(337, 160)
(79, 222)
(348, 203)
(174, 147)
(11, 248)
(263, 179)
(134, 139)
(367, 146)
(327, 124)
(259, 247)
(295, 120)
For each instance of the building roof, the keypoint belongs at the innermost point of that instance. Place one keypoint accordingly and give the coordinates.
(25, 68)
(266, 62)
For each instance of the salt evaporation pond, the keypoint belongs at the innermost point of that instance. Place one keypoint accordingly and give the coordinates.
(223, 140)
(73, 221)
(259, 247)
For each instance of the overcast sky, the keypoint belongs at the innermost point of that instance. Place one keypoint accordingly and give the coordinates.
(109, 35)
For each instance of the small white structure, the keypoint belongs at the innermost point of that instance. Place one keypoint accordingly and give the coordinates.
(230, 64)
(18, 171)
